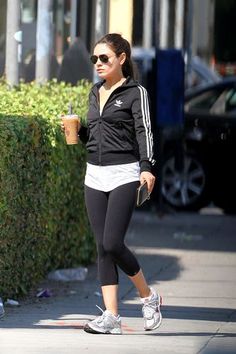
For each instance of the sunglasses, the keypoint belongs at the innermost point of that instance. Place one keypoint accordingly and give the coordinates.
(103, 58)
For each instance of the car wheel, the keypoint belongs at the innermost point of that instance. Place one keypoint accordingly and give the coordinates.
(185, 190)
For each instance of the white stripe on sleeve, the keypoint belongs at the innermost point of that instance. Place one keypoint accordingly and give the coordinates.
(146, 121)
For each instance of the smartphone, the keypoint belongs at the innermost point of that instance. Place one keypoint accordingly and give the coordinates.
(142, 194)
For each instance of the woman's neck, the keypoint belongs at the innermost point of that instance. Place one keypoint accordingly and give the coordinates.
(111, 82)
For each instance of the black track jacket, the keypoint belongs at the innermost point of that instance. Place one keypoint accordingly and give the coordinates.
(122, 133)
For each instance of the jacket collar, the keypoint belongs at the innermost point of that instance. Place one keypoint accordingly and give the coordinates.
(129, 82)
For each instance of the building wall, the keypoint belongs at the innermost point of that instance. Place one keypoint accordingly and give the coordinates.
(125, 17)
(121, 17)
(3, 11)
(203, 28)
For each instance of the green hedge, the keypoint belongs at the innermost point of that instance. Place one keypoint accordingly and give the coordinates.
(43, 222)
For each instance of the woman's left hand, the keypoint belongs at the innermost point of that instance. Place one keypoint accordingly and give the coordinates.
(149, 178)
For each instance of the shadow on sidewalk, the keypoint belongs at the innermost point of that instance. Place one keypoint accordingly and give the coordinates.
(71, 318)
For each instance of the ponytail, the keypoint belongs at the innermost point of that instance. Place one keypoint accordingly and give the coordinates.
(127, 68)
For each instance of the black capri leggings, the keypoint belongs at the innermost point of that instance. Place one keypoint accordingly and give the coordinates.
(109, 215)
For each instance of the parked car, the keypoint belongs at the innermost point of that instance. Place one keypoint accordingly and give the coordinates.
(199, 74)
(209, 136)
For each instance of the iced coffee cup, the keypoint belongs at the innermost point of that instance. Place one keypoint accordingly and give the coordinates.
(71, 124)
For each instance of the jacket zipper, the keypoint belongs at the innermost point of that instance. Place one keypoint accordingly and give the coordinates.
(100, 141)
(100, 123)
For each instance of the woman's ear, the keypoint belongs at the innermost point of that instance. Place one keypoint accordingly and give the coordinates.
(122, 58)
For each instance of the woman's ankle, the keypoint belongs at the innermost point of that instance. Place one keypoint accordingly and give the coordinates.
(113, 312)
(146, 293)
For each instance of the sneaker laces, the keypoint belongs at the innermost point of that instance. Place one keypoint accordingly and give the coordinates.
(149, 308)
(102, 316)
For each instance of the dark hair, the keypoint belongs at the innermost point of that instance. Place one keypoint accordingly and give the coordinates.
(119, 45)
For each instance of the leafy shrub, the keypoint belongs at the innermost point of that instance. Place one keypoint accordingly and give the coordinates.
(43, 222)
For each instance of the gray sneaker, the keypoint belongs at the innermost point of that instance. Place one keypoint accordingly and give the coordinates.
(151, 311)
(107, 323)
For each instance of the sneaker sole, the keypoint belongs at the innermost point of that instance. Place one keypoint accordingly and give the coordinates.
(89, 329)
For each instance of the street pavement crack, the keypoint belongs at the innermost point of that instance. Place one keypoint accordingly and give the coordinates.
(217, 332)
(208, 341)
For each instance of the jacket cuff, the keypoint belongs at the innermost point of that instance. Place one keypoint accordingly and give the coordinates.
(145, 165)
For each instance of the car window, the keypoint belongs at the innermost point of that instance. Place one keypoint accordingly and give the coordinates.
(219, 106)
(204, 101)
(231, 101)
(194, 79)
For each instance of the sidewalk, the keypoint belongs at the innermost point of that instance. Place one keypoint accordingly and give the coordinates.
(189, 258)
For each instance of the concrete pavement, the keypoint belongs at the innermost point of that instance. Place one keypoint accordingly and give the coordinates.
(189, 258)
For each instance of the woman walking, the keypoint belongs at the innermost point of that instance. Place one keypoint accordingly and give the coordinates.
(120, 157)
